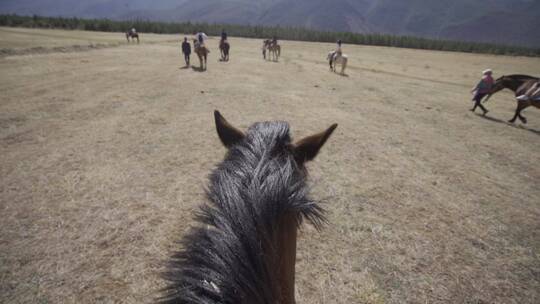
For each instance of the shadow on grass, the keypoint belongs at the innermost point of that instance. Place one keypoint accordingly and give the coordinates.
(197, 69)
(522, 127)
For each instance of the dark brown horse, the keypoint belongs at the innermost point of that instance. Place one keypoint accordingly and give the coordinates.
(132, 35)
(244, 250)
(224, 48)
(202, 53)
(519, 84)
(274, 51)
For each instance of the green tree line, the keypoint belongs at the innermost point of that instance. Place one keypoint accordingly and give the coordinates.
(255, 31)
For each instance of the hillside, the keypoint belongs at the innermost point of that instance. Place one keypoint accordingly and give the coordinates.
(498, 21)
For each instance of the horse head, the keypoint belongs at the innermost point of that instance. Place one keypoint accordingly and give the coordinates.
(244, 250)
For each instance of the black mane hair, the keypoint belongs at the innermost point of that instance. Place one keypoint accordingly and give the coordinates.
(225, 260)
(518, 77)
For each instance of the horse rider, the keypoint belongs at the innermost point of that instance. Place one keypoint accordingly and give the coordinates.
(338, 52)
(186, 50)
(223, 36)
(133, 31)
(201, 38)
(482, 89)
(274, 41)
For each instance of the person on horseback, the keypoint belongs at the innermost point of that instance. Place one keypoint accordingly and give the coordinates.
(133, 31)
(223, 36)
(186, 50)
(338, 52)
(482, 89)
(201, 38)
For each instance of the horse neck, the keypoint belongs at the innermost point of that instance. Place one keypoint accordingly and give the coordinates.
(276, 200)
(513, 84)
(286, 259)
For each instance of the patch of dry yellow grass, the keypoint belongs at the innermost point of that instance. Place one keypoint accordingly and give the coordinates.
(104, 156)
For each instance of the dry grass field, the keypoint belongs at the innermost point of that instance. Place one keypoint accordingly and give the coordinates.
(104, 156)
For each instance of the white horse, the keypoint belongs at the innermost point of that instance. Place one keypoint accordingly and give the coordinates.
(334, 59)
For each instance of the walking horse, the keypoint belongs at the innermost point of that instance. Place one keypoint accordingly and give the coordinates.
(132, 35)
(519, 84)
(202, 53)
(224, 48)
(334, 59)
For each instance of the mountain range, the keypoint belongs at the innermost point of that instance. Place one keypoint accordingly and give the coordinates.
(514, 22)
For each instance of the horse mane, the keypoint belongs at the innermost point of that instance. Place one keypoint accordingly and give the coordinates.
(518, 77)
(225, 260)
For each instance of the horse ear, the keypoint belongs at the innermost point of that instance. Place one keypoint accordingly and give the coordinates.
(228, 134)
(307, 148)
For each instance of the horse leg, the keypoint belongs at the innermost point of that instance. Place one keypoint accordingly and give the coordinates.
(521, 107)
(205, 63)
(517, 113)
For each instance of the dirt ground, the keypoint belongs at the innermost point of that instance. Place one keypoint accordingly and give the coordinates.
(104, 156)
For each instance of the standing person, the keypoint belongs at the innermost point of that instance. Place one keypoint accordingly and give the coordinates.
(186, 50)
(264, 47)
(482, 89)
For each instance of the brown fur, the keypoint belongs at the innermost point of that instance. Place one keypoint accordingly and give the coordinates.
(202, 53)
(224, 48)
(133, 36)
(519, 84)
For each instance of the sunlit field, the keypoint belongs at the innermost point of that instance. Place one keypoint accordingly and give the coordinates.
(104, 154)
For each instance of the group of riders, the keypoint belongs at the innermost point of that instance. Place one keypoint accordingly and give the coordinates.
(199, 41)
(481, 90)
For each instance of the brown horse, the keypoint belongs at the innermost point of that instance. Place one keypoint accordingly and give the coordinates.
(224, 48)
(202, 53)
(244, 250)
(519, 84)
(274, 50)
(133, 36)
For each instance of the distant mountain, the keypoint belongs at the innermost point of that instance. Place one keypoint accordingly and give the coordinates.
(500, 21)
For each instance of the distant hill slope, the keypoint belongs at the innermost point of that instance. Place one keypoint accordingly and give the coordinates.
(499, 21)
